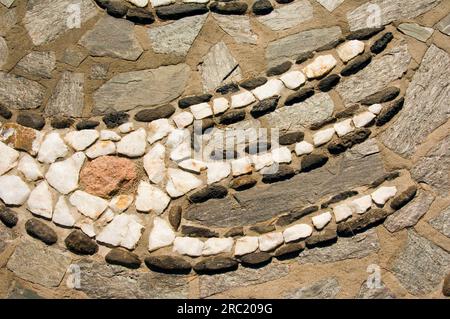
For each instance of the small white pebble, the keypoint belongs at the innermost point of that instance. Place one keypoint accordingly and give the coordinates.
(383, 194)
(282, 155)
(271, 88)
(344, 127)
(320, 221)
(220, 105)
(183, 119)
(293, 79)
(375, 108)
(242, 99)
(303, 148)
(201, 111)
(126, 128)
(342, 212)
(363, 119)
(297, 232)
(107, 135)
(323, 136)
(246, 245)
(362, 204)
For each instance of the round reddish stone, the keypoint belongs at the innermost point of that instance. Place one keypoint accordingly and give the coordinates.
(107, 175)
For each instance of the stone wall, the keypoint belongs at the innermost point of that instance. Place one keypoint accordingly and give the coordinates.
(115, 181)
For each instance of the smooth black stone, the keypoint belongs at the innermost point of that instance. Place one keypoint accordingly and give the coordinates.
(319, 125)
(446, 286)
(194, 231)
(193, 100)
(179, 11)
(288, 251)
(382, 43)
(284, 1)
(357, 64)
(253, 83)
(279, 69)
(122, 257)
(330, 45)
(231, 117)
(228, 88)
(389, 112)
(329, 82)
(235, 232)
(404, 198)
(313, 161)
(37, 229)
(115, 119)
(115, 8)
(35, 121)
(209, 192)
(321, 239)
(242, 183)
(258, 147)
(348, 112)
(361, 223)
(387, 177)
(87, 125)
(291, 138)
(303, 57)
(232, 7)
(364, 34)
(262, 7)
(140, 16)
(262, 229)
(5, 112)
(348, 141)
(339, 198)
(8, 217)
(224, 155)
(80, 243)
(168, 264)
(155, 113)
(284, 172)
(386, 95)
(257, 258)
(175, 214)
(299, 96)
(61, 122)
(265, 106)
(215, 265)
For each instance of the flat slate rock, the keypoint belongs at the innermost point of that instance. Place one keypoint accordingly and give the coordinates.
(442, 221)
(327, 288)
(37, 63)
(20, 93)
(68, 96)
(288, 16)
(238, 27)
(370, 290)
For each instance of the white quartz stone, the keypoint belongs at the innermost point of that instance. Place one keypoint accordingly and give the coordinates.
(303, 148)
(214, 246)
(272, 87)
(177, 137)
(241, 166)
(320, 66)
(120, 203)
(52, 148)
(192, 165)
(8, 158)
(64, 175)
(180, 182)
(30, 168)
(64, 214)
(151, 199)
(282, 155)
(262, 160)
(40, 202)
(107, 135)
(159, 129)
(181, 152)
(81, 140)
(196, 1)
(220, 105)
(201, 111)
(383, 194)
(158, 3)
(139, 3)
(154, 163)
(320, 221)
(323, 136)
(133, 144)
(183, 119)
(124, 230)
(344, 127)
(217, 171)
(297, 232)
(106, 217)
(242, 99)
(101, 148)
(376, 108)
(342, 212)
(87, 204)
(188, 246)
(126, 128)
(161, 234)
(361, 205)
(13, 190)
(293, 79)
(363, 119)
(350, 49)
(246, 245)
(88, 229)
(268, 242)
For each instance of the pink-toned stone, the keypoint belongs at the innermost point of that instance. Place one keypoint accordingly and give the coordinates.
(107, 175)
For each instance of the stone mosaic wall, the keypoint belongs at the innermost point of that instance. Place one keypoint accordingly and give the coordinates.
(117, 178)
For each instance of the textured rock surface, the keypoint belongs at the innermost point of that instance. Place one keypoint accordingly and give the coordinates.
(20, 93)
(288, 16)
(68, 96)
(38, 63)
(442, 222)
(327, 288)
(237, 27)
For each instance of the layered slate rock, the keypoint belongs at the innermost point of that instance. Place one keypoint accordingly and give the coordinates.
(288, 16)
(330, 5)
(327, 288)
(418, 272)
(68, 97)
(238, 27)
(444, 25)
(47, 20)
(112, 38)
(20, 93)
(440, 222)
(38, 63)
(376, 76)
(177, 37)
(151, 87)
(291, 46)
(426, 104)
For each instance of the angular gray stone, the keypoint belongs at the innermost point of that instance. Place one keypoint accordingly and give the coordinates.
(421, 266)
(38, 63)
(20, 93)
(444, 25)
(327, 288)
(288, 16)
(238, 27)
(7, 3)
(330, 5)
(7, 21)
(46, 20)
(314, 110)
(7, 235)
(73, 56)
(359, 246)
(376, 76)
(410, 214)
(18, 291)
(39, 263)
(151, 87)
(442, 222)
(68, 96)
(219, 66)
(3, 51)
(416, 31)
(100, 280)
(387, 11)
(290, 47)
(369, 292)
(243, 277)
(426, 104)
(177, 37)
(112, 38)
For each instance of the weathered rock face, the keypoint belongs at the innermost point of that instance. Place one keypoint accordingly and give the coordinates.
(38, 63)
(442, 222)
(370, 291)
(426, 104)
(20, 93)
(327, 288)
(68, 96)
(288, 16)
(129, 90)
(237, 27)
